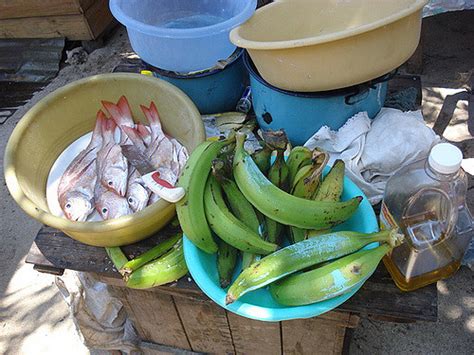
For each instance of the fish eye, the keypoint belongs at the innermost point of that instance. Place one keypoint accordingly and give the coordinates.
(130, 200)
(110, 182)
(68, 205)
(104, 210)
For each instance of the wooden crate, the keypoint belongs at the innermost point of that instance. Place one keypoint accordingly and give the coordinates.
(73, 19)
(179, 318)
(173, 321)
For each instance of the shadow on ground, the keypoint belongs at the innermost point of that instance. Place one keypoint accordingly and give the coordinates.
(33, 317)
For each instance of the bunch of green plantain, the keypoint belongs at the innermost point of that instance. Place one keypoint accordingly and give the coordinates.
(239, 205)
(162, 264)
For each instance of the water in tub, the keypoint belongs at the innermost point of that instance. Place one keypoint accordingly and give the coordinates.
(183, 20)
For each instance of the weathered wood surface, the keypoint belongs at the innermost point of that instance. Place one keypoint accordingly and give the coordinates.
(155, 317)
(206, 326)
(98, 18)
(311, 336)
(70, 26)
(243, 329)
(79, 26)
(379, 297)
(177, 324)
(37, 8)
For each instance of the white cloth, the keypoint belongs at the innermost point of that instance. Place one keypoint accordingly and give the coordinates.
(435, 7)
(375, 149)
(99, 317)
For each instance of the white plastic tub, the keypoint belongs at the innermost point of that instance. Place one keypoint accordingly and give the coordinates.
(182, 35)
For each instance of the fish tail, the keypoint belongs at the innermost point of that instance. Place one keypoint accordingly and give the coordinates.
(111, 125)
(116, 113)
(107, 135)
(134, 137)
(100, 118)
(154, 115)
(143, 131)
(124, 107)
(146, 112)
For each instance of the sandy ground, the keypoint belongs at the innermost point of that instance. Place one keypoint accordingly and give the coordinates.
(35, 320)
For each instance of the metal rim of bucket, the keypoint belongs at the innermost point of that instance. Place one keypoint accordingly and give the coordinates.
(232, 60)
(348, 91)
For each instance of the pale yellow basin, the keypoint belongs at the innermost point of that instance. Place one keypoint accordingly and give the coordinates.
(68, 113)
(317, 45)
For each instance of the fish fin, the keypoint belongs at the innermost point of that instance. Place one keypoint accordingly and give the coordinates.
(134, 137)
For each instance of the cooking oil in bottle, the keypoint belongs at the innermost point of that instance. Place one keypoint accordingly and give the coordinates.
(426, 201)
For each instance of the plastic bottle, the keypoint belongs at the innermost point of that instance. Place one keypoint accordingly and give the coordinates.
(426, 201)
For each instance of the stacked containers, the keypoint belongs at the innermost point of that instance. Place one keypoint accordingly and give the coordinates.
(319, 62)
(184, 41)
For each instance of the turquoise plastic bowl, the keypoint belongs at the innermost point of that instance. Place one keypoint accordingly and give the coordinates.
(259, 304)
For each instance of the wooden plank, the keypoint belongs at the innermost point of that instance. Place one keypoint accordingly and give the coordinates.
(254, 337)
(150, 348)
(54, 248)
(312, 336)
(84, 4)
(98, 17)
(176, 289)
(206, 326)
(155, 317)
(379, 297)
(10, 9)
(73, 27)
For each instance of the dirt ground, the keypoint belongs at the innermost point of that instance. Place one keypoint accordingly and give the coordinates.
(35, 320)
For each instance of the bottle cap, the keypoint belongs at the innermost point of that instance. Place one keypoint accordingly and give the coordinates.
(445, 158)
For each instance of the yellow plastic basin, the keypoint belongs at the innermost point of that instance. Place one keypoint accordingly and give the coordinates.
(318, 45)
(68, 113)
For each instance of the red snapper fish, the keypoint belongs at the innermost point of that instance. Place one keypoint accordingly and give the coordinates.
(112, 166)
(160, 149)
(109, 204)
(137, 193)
(77, 184)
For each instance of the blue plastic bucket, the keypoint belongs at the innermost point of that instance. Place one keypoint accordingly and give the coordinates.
(212, 91)
(303, 114)
(184, 35)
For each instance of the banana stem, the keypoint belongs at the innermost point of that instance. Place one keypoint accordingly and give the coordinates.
(150, 255)
(389, 236)
(275, 139)
(262, 158)
(117, 257)
(220, 170)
